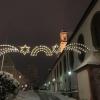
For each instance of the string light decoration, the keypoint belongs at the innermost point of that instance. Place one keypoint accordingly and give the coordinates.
(41, 48)
(24, 49)
(55, 49)
(4, 49)
(76, 47)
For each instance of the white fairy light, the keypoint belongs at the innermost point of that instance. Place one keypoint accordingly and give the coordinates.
(7, 49)
(79, 44)
(24, 49)
(41, 48)
(76, 47)
(69, 73)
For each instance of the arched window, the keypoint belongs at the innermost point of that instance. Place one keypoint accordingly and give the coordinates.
(95, 30)
(81, 40)
(71, 59)
(60, 68)
(55, 74)
(64, 59)
(57, 71)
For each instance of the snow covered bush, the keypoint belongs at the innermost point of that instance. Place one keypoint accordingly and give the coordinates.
(8, 86)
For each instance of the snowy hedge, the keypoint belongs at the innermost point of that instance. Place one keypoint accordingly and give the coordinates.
(8, 86)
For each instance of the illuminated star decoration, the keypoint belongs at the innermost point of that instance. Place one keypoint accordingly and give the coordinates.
(25, 49)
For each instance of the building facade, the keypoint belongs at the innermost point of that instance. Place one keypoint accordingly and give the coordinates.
(63, 77)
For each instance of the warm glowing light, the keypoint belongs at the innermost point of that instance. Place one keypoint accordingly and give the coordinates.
(77, 47)
(24, 49)
(4, 49)
(63, 40)
(41, 48)
(56, 49)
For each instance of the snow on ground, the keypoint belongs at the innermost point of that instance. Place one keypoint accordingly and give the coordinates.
(61, 97)
(31, 95)
(27, 95)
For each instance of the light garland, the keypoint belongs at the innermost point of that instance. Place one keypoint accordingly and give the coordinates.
(24, 49)
(4, 49)
(76, 47)
(41, 48)
(79, 45)
(73, 49)
(56, 49)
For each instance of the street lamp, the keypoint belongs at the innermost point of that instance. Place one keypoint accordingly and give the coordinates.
(69, 73)
(53, 80)
(69, 78)
(45, 84)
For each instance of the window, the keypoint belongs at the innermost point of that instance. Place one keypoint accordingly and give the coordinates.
(65, 64)
(95, 30)
(57, 72)
(81, 40)
(71, 59)
(60, 68)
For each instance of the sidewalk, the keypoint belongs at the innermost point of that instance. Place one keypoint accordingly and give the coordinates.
(61, 97)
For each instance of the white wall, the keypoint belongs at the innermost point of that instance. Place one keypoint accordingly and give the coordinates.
(86, 31)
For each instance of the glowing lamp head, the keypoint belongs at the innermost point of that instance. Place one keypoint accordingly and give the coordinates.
(49, 82)
(53, 79)
(45, 84)
(69, 73)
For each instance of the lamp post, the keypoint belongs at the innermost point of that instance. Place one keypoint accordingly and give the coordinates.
(69, 75)
(69, 80)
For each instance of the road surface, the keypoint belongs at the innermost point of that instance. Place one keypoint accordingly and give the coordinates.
(31, 95)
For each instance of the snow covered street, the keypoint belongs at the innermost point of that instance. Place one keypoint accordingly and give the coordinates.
(30, 95)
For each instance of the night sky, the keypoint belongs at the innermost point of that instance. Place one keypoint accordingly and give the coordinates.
(36, 22)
